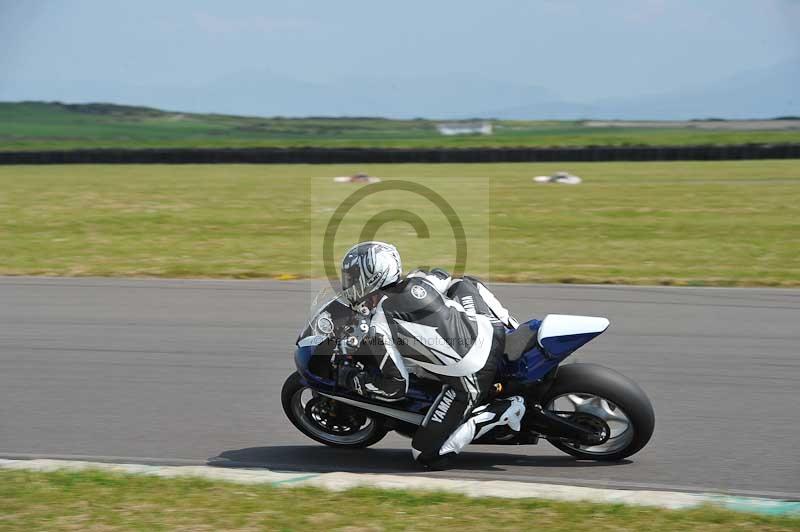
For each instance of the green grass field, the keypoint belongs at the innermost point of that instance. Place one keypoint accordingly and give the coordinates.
(698, 223)
(103, 501)
(42, 126)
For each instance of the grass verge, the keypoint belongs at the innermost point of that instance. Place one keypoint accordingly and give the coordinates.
(733, 223)
(94, 500)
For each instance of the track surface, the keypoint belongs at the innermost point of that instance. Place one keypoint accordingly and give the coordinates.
(185, 371)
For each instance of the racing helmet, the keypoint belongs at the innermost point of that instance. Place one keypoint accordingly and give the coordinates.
(367, 267)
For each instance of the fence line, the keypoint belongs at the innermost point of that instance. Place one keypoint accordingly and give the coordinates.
(401, 155)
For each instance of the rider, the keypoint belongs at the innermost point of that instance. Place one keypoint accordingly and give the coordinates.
(450, 330)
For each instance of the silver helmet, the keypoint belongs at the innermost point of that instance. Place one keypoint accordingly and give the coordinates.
(367, 267)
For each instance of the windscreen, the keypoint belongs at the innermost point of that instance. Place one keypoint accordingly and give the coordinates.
(330, 303)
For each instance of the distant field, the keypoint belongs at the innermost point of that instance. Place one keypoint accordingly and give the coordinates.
(42, 126)
(684, 223)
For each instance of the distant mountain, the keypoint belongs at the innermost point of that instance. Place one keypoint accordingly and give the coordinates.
(768, 92)
(265, 94)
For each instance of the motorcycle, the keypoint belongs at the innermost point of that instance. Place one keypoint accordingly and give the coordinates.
(586, 410)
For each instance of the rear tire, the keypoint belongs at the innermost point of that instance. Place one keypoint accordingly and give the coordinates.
(291, 397)
(586, 380)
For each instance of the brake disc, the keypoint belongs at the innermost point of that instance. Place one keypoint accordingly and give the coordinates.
(334, 417)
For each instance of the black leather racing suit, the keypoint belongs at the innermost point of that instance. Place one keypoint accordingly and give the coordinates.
(443, 329)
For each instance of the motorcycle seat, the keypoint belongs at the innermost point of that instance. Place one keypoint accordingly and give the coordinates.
(521, 340)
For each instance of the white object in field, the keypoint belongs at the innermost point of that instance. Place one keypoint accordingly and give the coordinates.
(356, 178)
(565, 178)
(464, 128)
(567, 325)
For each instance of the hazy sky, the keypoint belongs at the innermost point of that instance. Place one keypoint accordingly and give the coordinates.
(578, 51)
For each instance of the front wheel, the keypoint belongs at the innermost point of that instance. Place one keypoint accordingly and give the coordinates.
(604, 400)
(326, 420)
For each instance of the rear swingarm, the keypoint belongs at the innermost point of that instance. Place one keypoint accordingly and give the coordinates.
(553, 426)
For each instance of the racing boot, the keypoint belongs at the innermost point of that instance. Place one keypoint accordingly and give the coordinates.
(507, 411)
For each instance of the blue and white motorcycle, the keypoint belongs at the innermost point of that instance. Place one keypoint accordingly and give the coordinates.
(586, 410)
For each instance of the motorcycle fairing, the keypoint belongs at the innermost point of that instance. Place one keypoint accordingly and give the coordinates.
(521, 340)
(561, 334)
(336, 309)
(315, 369)
(533, 350)
(525, 360)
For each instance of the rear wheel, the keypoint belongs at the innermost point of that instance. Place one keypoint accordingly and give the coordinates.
(326, 420)
(605, 401)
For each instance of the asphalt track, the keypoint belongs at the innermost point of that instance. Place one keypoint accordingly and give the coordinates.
(182, 372)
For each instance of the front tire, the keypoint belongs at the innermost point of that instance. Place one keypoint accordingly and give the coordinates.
(295, 398)
(599, 395)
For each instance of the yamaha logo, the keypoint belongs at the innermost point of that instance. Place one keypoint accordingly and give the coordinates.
(444, 404)
(418, 292)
